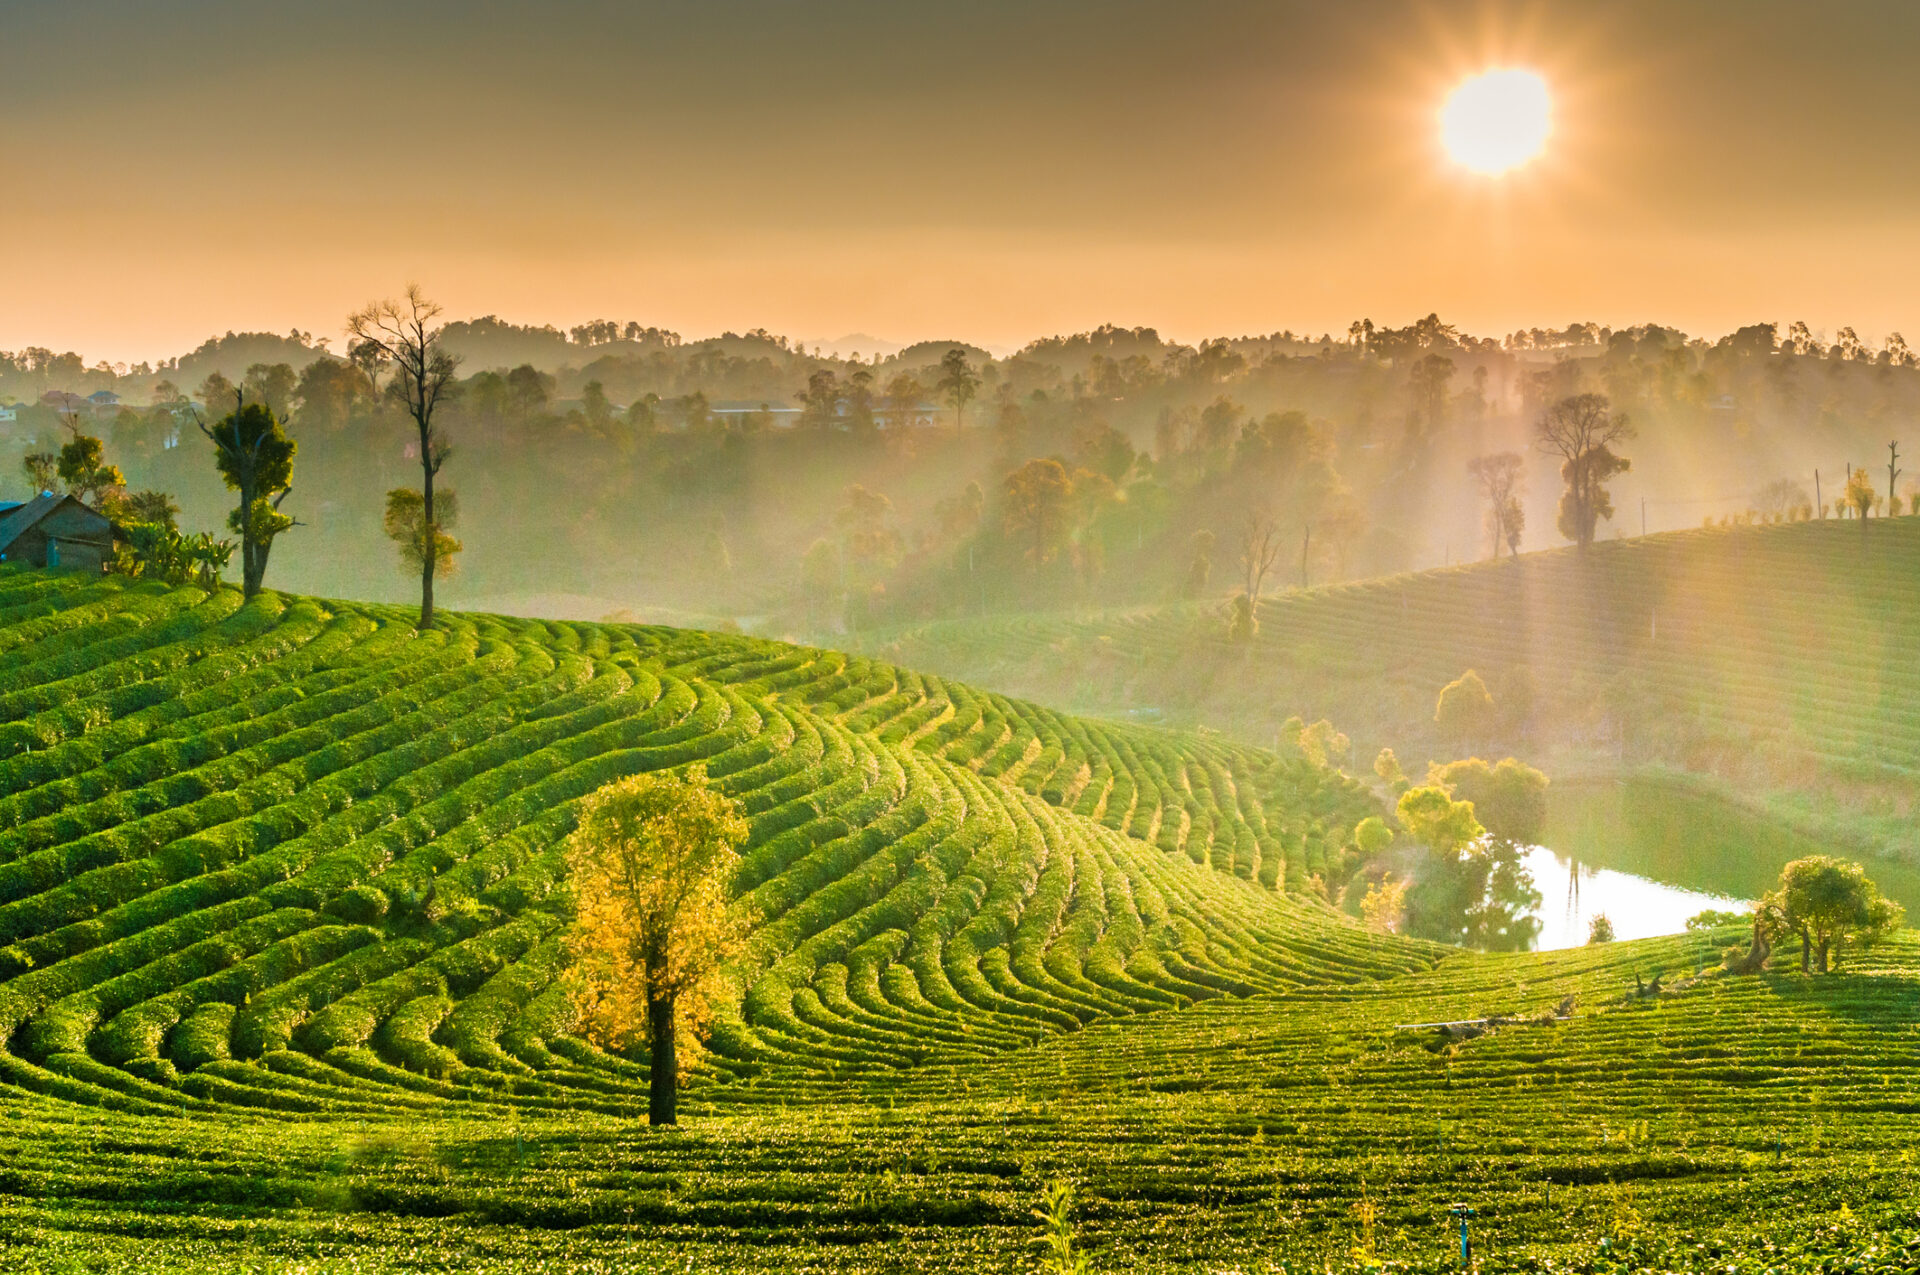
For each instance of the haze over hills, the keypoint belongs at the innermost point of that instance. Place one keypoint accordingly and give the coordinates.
(1771, 663)
(1322, 679)
(670, 478)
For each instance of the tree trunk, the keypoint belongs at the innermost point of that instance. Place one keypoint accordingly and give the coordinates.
(250, 572)
(663, 1068)
(1806, 951)
(430, 531)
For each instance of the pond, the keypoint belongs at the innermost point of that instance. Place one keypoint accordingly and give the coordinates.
(1651, 854)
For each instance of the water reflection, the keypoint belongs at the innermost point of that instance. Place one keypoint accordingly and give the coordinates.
(1575, 892)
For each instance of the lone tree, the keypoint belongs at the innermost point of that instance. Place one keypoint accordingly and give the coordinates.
(255, 457)
(1464, 711)
(406, 336)
(653, 862)
(1827, 901)
(83, 467)
(1037, 509)
(1259, 541)
(1499, 478)
(958, 383)
(1859, 495)
(1581, 431)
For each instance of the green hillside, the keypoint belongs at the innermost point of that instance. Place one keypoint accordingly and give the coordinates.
(291, 854)
(280, 906)
(1776, 662)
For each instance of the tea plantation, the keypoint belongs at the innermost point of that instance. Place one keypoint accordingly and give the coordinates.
(1773, 659)
(280, 906)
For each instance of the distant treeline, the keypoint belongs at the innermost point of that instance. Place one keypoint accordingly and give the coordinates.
(745, 475)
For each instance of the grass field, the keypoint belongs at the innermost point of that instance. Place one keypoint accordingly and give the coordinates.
(1775, 663)
(280, 899)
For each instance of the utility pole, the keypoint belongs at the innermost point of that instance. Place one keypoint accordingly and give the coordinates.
(1893, 473)
(1819, 505)
(1306, 540)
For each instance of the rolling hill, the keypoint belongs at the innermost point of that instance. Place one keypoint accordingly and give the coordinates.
(1775, 663)
(280, 905)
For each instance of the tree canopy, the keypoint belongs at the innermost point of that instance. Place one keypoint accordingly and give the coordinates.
(652, 863)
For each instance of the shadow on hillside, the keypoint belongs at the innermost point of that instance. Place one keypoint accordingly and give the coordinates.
(1882, 1000)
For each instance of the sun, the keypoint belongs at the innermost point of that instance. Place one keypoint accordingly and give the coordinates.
(1497, 121)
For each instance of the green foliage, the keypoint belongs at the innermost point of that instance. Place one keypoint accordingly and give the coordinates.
(1716, 919)
(406, 525)
(1464, 711)
(1059, 1256)
(1509, 799)
(1828, 902)
(1469, 889)
(157, 551)
(83, 468)
(1242, 624)
(1432, 817)
(255, 459)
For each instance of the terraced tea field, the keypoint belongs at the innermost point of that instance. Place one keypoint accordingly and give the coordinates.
(1770, 658)
(280, 905)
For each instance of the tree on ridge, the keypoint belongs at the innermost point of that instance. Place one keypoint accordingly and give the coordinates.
(1581, 430)
(406, 334)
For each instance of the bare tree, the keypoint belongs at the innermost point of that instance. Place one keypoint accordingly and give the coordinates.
(407, 334)
(1259, 539)
(1499, 477)
(1581, 431)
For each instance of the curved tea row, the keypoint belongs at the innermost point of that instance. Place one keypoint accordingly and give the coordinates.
(292, 855)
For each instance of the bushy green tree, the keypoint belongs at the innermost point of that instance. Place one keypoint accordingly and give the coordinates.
(255, 458)
(1470, 888)
(1828, 902)
(1582, 430)
(1509, 798)
(1387, 766)
(1464, 712)
(1372, 835)
(1859, 495)
(83, 468)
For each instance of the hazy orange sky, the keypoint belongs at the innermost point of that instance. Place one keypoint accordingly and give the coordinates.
(993, 171)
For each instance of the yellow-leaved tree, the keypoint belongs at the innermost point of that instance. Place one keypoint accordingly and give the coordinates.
(653, 862)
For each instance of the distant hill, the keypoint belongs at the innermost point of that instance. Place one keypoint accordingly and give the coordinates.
(1779, 662)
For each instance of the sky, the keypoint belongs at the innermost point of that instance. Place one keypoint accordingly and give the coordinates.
(988, 171)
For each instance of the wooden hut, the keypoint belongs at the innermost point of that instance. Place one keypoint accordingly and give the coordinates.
(55, 531)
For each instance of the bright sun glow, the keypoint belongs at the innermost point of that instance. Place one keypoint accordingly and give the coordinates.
(1496, 121)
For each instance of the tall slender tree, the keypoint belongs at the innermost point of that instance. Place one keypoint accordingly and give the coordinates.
(1499, 478)
(958, 383)
(255, 457)
(407, 332)
(1581, 431)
